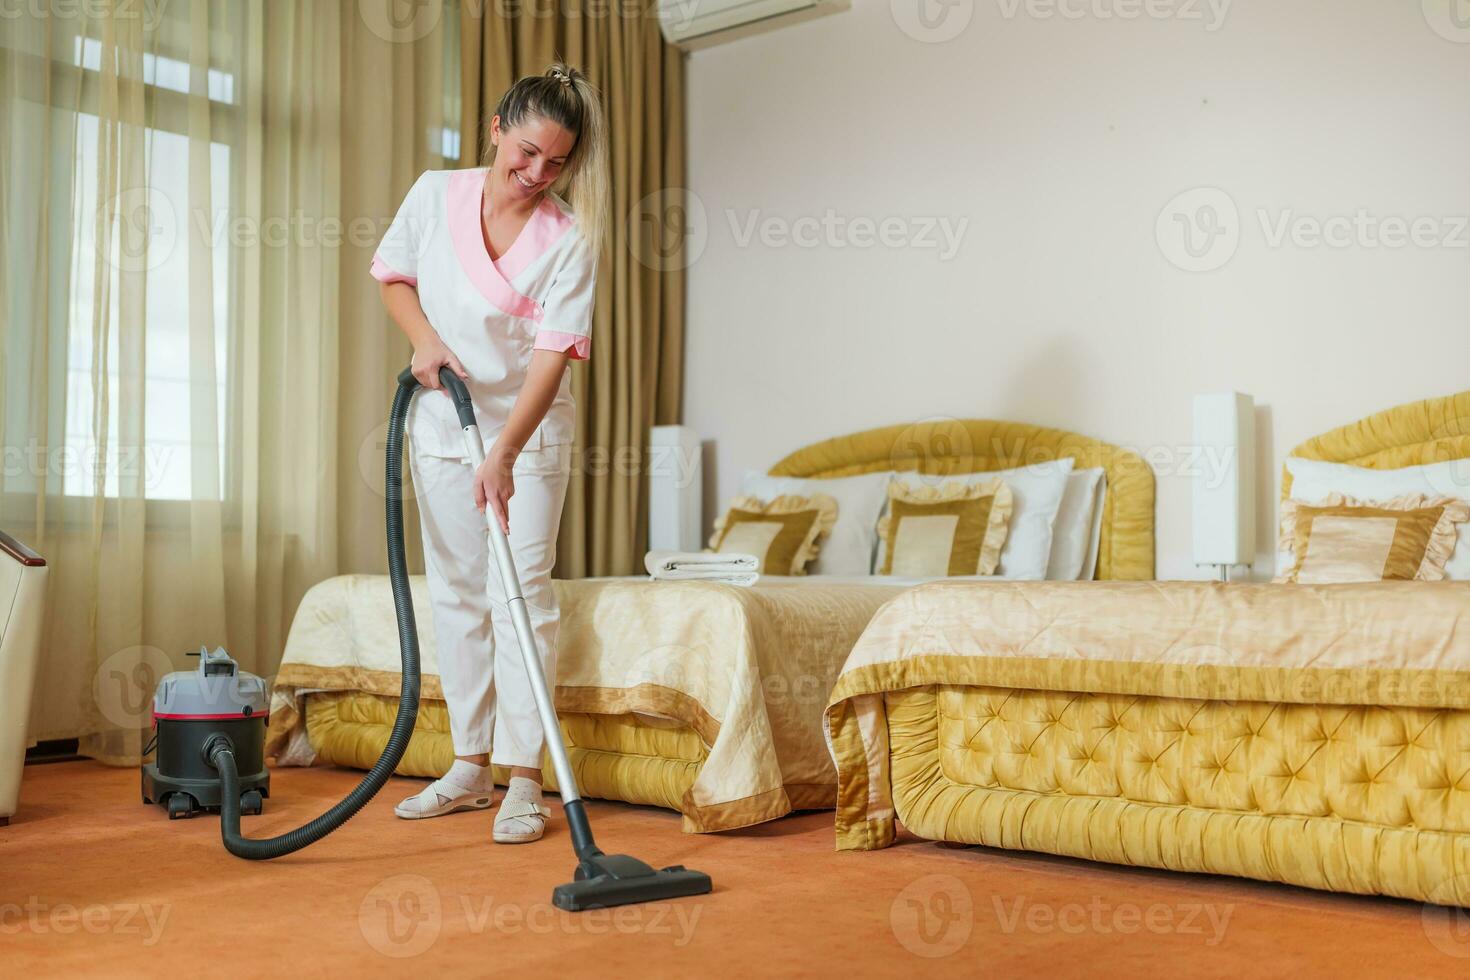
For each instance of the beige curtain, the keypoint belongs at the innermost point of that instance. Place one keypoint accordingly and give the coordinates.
(632, 380)
(185, 188)
(400, 117)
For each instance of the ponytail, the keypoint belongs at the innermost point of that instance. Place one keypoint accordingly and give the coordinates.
(564, 96)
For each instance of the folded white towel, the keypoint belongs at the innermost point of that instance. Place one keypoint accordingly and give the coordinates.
(703, 566)
(719, 563)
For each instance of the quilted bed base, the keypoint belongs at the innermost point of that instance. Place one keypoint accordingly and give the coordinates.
(1372, 800)
(625, 757)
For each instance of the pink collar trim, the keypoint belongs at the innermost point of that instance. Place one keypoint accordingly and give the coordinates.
(543, 229)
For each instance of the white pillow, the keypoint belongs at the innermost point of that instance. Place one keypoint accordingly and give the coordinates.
(1078, 528)
(1037, 493)
(848, 550)
(1312, 480)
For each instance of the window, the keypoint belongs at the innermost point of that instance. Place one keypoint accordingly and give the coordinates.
(152, 233)
(52, 81)
(164, 461)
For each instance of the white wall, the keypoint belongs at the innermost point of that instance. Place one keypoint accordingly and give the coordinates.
(1060, 140)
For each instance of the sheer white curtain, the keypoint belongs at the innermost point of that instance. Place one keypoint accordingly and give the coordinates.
(171, 212)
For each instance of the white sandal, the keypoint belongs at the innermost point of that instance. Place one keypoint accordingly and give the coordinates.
(441, 797)
(522, 816)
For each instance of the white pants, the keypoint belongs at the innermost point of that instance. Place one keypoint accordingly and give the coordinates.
(490, 701)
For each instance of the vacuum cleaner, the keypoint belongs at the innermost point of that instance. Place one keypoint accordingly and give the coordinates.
(188, 708)
(210, 723)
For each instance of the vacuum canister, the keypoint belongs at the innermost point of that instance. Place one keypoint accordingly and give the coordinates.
(189, 708)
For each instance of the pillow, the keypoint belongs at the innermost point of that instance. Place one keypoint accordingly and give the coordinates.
(848, 549)
(1078, 528)
(954, 529)
(1037, 493)
(783, 534)
(1348, 540)
(1313, 481)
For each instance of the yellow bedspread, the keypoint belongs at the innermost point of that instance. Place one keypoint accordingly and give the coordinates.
(1313, 734)
(747, 669)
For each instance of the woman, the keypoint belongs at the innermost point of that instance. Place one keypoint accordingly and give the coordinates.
(492, 274)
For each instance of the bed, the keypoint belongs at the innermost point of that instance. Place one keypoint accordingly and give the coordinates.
(695, 696)
(1317, 735)
(702, 698)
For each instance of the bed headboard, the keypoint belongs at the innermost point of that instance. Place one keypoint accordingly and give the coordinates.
(1432, 431)
(944, 446)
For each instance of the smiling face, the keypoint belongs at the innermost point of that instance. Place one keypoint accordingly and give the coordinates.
(529, 156)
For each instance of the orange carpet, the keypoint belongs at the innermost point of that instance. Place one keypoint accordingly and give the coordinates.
(94, 882)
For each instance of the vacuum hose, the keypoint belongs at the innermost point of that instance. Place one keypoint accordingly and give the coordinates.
(220, 752)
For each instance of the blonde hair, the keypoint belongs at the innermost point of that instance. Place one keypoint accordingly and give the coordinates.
(563, 95)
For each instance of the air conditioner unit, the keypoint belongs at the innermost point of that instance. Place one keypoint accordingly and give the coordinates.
(692, 24)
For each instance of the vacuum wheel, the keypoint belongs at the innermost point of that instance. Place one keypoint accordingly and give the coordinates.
(251, 803)
(180, 806)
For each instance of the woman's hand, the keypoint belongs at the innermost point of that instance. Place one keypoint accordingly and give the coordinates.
(495, 485)
(429, 357)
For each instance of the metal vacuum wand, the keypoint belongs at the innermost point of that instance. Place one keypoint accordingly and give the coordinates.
(601, 880)
(510, 580)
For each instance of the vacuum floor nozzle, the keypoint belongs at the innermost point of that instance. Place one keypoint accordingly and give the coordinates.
(606, 880)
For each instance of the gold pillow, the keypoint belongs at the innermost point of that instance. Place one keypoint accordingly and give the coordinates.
(784, 534)
(953, 529)
(1346, 540)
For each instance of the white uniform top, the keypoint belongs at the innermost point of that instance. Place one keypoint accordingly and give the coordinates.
(491, 314)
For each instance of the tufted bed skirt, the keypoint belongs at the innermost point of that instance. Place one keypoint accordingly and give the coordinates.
(1347, 799)
(1318, 736)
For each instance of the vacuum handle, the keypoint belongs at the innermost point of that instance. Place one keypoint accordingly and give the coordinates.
(456, 388)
